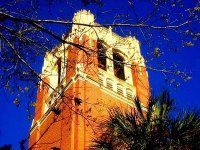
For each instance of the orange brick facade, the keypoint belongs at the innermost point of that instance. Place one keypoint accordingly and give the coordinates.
(71, 121)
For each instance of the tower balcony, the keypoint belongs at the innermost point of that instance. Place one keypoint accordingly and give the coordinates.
(116, 86)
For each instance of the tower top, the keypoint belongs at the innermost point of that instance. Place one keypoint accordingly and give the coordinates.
(128, 46)
(84, 17)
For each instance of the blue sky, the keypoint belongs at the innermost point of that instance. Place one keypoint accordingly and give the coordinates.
(14, 123)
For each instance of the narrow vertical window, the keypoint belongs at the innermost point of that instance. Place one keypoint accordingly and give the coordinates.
(118, 66)
(101, 55)
(59, 69)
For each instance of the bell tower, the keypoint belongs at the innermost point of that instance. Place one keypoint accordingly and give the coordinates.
(93, 71)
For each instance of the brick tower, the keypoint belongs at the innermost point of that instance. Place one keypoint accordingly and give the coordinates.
(93, 71)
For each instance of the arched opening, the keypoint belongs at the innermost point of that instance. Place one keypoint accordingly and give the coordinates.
(101, 55)
(118, 66)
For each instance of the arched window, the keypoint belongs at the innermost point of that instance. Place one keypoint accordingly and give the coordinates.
(118, 66)
(101, 55)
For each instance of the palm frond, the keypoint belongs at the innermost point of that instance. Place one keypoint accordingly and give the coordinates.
(151, 128)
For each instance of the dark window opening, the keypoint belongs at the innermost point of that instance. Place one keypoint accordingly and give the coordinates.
(59, 69)
(101, 56)
(55, 148)
(118, 66)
